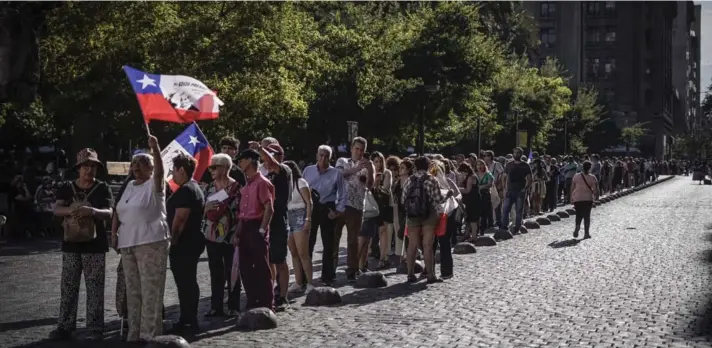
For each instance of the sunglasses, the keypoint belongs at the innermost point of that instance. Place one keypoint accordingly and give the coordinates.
(213, 167)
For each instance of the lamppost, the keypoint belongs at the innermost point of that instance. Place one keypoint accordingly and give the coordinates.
(430, 89)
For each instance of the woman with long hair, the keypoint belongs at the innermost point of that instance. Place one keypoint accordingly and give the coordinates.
(454, 222)
(584, 190)
(539, 177)
(393, 164)
(299, 212)
(470, 198)
(405, 170)
(485, 180)
(382, 191)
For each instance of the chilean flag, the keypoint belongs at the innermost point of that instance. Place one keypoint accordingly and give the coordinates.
(173, 98)
(191, 142)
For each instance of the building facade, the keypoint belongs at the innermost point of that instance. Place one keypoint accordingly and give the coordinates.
(627, 51)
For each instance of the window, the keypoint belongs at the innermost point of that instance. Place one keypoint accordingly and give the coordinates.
(593, 8)
(593, 36)
(593, 66)
(609, 8)
(610, 35)
(609, 96)
(547, 37)
(610, 67)
(547, 9)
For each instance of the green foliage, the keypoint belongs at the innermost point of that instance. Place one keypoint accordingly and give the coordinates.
(631, 135)
(299, 71)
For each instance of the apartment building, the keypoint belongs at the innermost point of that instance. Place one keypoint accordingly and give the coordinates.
(626, 50)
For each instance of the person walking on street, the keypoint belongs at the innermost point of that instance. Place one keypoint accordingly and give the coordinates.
(584, 190)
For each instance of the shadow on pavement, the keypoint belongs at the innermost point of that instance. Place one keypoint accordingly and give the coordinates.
(39, 246)
(25, 324)
(369, 296)
(703, 324)
(564, 243)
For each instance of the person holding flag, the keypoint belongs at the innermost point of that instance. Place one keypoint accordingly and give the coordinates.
(141, 234)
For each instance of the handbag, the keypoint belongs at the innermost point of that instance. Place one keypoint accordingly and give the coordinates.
(494, 197)
(441, 227)
(371, 210)
(79, 229)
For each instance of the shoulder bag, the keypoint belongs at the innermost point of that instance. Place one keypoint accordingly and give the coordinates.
(79, 229)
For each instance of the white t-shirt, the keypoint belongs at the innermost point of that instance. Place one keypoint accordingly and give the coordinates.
(297, 201)
(142, 214)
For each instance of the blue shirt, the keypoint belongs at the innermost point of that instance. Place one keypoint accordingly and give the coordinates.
(329, 183)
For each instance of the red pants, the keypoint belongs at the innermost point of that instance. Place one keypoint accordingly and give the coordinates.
(254, 266)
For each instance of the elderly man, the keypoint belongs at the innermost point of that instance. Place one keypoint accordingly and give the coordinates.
(328, 183)
(256, 209)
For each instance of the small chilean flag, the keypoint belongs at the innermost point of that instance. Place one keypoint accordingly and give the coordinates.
(173, 98)
(193, 143)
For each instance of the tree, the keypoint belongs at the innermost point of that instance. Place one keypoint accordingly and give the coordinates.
(630, 135)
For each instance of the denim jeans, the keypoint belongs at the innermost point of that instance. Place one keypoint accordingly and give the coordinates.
(513, 197)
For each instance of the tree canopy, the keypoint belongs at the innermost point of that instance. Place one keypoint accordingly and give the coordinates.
(299, 71)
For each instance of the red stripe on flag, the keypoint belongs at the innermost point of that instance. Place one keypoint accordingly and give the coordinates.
(155, 107)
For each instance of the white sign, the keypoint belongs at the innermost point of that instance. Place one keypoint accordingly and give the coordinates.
(169, 152)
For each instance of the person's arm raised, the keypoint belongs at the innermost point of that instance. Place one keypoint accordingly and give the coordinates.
(159, 181)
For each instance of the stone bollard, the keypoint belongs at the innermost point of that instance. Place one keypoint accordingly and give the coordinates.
(258, 319)
(323, 296)
(464, 248)
(531, 225)
(503, 235)
(542, 221)
(562, 214)
(571, 211)
(553, 217)
(371, 280)
(168, 341)
(522, 230)
(485, 241)
(418, 267)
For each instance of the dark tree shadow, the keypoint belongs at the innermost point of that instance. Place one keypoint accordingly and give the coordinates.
(26, 324)
(564, 243)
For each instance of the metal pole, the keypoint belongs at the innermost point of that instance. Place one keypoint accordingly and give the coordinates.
(566, 135)
(516, 129)
(479, 136)
(421, 132)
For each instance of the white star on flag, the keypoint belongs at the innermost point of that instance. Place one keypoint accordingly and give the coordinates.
(146, 81)
(193, 140)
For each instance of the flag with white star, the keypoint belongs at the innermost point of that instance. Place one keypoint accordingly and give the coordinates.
(173, 98)
(191, 142)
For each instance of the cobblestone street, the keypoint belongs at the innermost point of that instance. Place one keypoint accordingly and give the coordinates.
(644, 280)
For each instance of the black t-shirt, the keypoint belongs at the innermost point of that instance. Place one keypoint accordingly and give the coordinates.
(553, 173)
(189, 195)
(100, 198)
(283, 186)
(235, 173)
(517, 175)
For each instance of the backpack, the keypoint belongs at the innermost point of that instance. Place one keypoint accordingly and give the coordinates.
(416, 201)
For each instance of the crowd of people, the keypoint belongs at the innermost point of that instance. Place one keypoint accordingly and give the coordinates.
(253, 209)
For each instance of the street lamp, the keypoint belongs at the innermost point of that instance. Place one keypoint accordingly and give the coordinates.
(430, 89)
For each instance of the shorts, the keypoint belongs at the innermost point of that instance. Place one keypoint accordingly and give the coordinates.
(419, 222)
(369, 227)
(296, 219)
(278, 237)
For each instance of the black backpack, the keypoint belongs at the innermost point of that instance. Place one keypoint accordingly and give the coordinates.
(416, 201)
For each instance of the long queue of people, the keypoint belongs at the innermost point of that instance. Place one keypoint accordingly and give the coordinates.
(254, 208)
